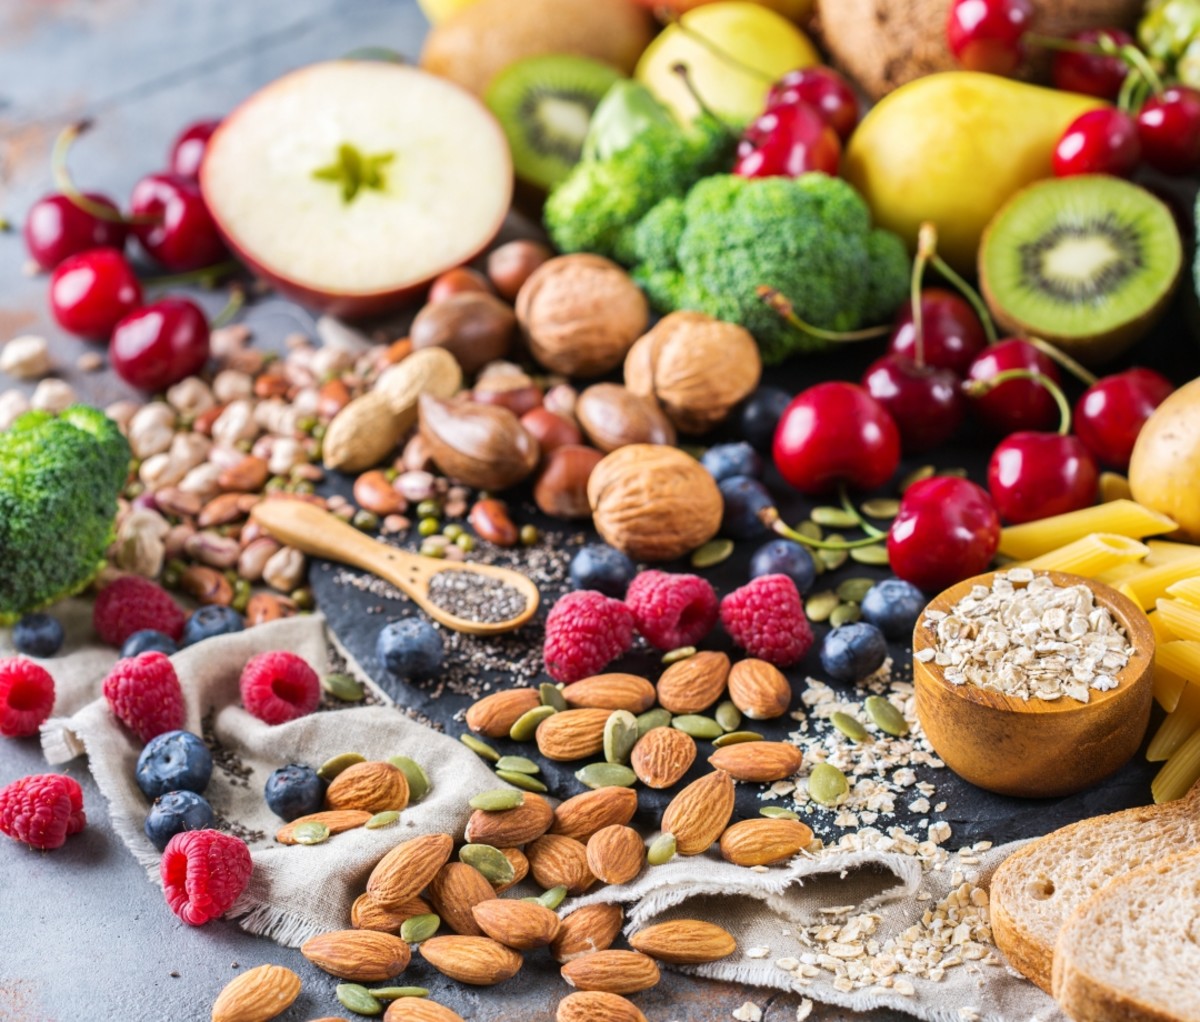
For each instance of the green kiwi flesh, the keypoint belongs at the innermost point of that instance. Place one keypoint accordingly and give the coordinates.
(544, 105)
(1087, 263)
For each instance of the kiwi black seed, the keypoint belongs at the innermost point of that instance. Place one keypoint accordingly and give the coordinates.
(1087, 263)
(544, 105)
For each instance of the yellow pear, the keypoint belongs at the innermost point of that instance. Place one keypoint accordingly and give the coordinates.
(953, 148)
(440, 10)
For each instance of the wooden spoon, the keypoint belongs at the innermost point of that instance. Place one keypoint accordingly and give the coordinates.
(316, 532)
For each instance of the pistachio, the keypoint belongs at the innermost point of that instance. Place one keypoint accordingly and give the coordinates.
(285, 569)
(213, 549)
(827, 784)
(887, 718)
(605, 775)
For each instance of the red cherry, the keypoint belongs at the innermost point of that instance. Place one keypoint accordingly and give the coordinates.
(187, 151)
(56, 228)
(836, 433)
(183, 235)
(1035, 475)
(788, 141)
(927, 403)
(90, 291)
(1015, 404)
(947, 530)
(823, 89)
(952, 333)
(1169, 128)
(160, 344)
(1112, 411)
(1103, 141)
(1092, 74)
(987, 35)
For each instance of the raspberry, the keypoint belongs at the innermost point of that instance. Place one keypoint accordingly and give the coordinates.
(144, 695)
(26, 697)
(203, 873)
(279, 686)
(42, 810)
(130, 604)
(585, 630)
(766, 618)
(672, 610)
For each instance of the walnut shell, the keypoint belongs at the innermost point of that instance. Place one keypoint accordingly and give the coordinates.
(580, 313)
(613, 417)
(654, 502)
(696, 367)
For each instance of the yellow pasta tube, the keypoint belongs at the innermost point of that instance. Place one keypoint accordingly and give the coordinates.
(1152, 582)
(1179, 772)
(1123, 517)
(1091, 555)
(1181, 618)
(1177, 726)
(1164, 552)
(1188, 591)
(1181, 657)
(1168, 688)
(1121, 573)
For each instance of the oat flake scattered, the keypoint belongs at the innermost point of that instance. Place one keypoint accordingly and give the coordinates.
(748, 1012)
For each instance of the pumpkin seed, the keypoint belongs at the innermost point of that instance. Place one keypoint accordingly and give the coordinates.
(312, 833)
(553, 897)
(675, 655)
(661, 850)
(651, 719)
(728, 716)
(414, 773)
(810, 530)
(953, 473)
(497, 800)
(698, 726)
(833, 518)
(620, 736)
(332, 767)
(854, 589)
(844, 614)
(833, 559)
(480, 748)
(551, 695)
(604, 775)
(887, 718)
(491, 862)
(917, 475)
(358, 999)
(820, 605)
(344, 687)
(827, 784)
(384, 819)
(875, 555)
(850, 727)
(526, 726)
(418, 928)
(519, 780)
(519, 764)
(736, 738)
(777, 813)
(712, 553)
(395, 993)
(881, 508)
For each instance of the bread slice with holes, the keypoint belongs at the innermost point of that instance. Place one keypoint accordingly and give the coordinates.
(1036, 889)
(1132, 951)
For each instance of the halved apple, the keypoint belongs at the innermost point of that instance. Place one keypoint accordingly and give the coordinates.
(350, 185)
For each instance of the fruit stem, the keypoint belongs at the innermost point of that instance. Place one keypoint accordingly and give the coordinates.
(1063, 359)
(969, 293)
(1136, 59)
(977, 388)
(237, 298)
(1049, 42)
(850, 509)
(205, 276)
(781, 305)
(926, 247)
(62, 179)
(769, 516)
(670, 17)
(685, 76)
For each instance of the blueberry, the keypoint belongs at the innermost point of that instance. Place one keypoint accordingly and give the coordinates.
(726, 460)
(210, 621)
(893, 607)
(294, 790)
(744, 498)
(409, 648)
(760, 415)
(174, 761)
(785, 557)
(175, 812)
(149, 639)
(853, 652)
(602, 567)
(38, 635)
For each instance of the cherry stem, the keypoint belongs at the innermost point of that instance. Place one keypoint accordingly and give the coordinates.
(1136, 59)
(926, 247)
(1130, 55)
(62, 179)
(977, 388)
(685, 75)
(1063, 359)
(670, 17)
(969, 293)
(205, 276)
(237, 298)
(781, 305)
(850, 509)
(769, 516)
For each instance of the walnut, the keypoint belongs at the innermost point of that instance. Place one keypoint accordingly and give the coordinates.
(696, 367)
(654, 502)
(580, 314)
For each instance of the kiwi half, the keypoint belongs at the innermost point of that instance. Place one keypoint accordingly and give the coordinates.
(1088, 263)
(544, 105)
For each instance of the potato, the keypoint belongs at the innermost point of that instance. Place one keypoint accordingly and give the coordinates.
(1164, 472)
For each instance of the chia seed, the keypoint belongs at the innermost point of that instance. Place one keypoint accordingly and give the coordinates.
(474, 596)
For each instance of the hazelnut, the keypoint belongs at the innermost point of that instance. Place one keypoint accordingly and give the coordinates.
(654, 502)
(455, 282)
(561, 489)
(612, 416)
(696, 367)
(580, 314)
(484, 446)
(475, 328)
(511, 265)
(551, 431)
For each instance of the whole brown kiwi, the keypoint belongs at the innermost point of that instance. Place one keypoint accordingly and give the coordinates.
(476, 328)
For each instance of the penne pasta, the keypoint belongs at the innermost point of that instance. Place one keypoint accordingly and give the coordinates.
(1180, 618)
(1121, 573)
(1122, 517)
(1168, 687)
(1152, 582)
(1163, 552)
(1176, 727)
(1188, 591)
(1091, 555)
(1181, 657)
(1179, 772)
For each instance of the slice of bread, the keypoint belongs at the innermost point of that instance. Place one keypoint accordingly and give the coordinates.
(1132, 951)
(1037, 887)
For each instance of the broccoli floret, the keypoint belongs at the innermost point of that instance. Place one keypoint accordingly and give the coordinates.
(60, 477)
(808, 237)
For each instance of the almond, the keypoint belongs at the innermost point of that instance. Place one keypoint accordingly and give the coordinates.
(611, 692)
(684, 942)
(759, 689)
(694, 684)
(554, 860)
(758, 761)
(614, 972)
(357, 954)
(257, 995)
(456, 890)
(597, 1006)
(371, 787)
(367, 914)
(479, 961)
(572, 734)
(403, 873)
(580, 817)
(522, 925)
(337, 821)
(418, 1009)
(495, 715)
(699, 813)
(616, 854)
(520, 866)
(530, 820)
(759, 842)
(587, 930)
(662, 756)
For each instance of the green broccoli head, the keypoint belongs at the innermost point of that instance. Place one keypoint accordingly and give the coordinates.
(808, 237)
(60, 477)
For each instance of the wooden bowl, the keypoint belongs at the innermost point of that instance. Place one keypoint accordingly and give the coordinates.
(1036, 748)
